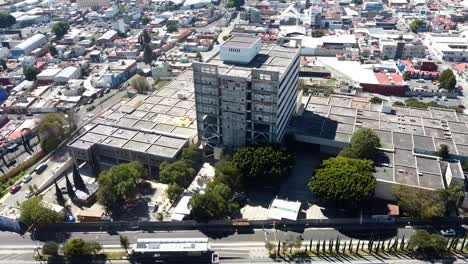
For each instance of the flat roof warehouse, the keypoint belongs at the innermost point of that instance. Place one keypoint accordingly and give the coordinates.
(408, 136)
(159, 124)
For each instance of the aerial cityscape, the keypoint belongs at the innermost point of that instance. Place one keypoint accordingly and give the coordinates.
(233, 131)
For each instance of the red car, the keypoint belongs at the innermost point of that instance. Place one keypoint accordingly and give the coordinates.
(15, 189)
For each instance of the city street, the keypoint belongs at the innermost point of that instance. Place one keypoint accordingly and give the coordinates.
(232, 247)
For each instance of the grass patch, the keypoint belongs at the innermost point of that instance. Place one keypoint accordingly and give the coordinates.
(40, 257)
(115, 255)
(415, 103)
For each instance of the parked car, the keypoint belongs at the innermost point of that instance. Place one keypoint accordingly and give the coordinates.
(28, 194)
(448, 232)
(27, 178)
(41, 168)
(15, 188)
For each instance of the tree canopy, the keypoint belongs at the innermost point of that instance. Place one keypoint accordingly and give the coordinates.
(34, 212)
(433, 245)
(443, 151)
(179, 172)
(376, 100)
(226, 172)
(173, 192)
(344, 180)
(53, 50)
(53, 130)
(60, 28)
(145, 20)
(426, 204)
(140, 84)
(416, 24)
(119, 183)
(215, 203)
(50, 248)
(30, 73)
(263, 165)
(148, 55)
(448, 80)
(7, 20)
(171, 28)
(77, 247)
(364, 144)
(235, 3)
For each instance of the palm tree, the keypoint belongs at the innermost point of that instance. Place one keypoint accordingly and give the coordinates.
(124, 242)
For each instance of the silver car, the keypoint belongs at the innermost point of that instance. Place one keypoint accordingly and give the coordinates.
(27, 178)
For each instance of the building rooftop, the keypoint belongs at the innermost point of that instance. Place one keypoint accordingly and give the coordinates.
(409, 137)
(159, 124)
(240, 42)
(270, 58)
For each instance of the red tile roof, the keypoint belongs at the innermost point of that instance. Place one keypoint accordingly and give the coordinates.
(387, 78)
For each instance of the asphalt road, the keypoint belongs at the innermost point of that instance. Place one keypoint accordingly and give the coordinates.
(232, 247)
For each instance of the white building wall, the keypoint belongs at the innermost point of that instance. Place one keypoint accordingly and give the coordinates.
(240, 55)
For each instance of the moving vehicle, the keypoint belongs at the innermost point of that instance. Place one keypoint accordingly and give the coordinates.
(15, 188)
(41, 168)
(26, 178)
(448, 232)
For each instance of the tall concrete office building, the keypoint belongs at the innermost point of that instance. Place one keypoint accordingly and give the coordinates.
(246, 94)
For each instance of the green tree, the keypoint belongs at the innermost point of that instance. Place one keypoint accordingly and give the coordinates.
(226, 172)
(30, 73)
(416, 24)
(53, 130)
(376, 100)
(140, 84)
(398, 103)
(364, 144)
(77, 247)
(171, 28)
(317, 33)
(50, 248)
(432, 245)
(448, 80)
(118, 184)
(191, 152)
(344, 180)
(199, 56)
(145, 20)
(407, 75)
(263, 165)
(173, 192)
(7, 20)
(53, 50)
(60, 28)
(179, 172)
(146, 37)
(124, 242)
(443, 152)
(416, 202)
(34, 212)
(238, 4)
(148, 55)
(215, 203)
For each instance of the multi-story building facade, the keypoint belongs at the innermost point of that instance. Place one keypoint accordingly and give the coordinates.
(400, 49)
(245, 95)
